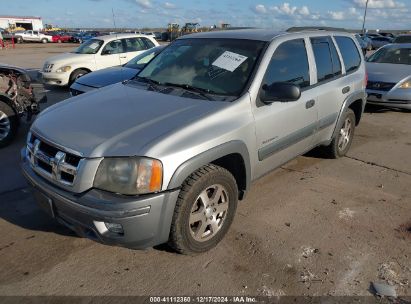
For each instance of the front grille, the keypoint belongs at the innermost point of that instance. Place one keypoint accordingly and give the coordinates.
(74, 92)
(52, 162)
(380, 86)
(48, 67)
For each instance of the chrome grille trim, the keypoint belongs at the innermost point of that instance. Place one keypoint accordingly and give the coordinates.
(48, 67)
(53, 167)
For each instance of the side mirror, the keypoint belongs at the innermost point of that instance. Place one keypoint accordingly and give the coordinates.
(280, 91)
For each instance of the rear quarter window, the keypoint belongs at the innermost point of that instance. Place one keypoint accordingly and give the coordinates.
(349, 52)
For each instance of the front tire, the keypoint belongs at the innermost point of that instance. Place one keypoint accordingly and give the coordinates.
(341, 143)
(8, 124)
(76, 75)
(44, 40)
(204, 210)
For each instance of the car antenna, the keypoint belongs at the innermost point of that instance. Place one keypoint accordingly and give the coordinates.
(115, 28)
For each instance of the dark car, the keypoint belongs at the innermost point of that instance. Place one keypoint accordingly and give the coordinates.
(406, 38)
(105, 77)
(378, 42)
(19, 97)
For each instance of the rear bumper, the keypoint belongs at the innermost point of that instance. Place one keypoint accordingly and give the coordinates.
(398, 98)
(145, 220)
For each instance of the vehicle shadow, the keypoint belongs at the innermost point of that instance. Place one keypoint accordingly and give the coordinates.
(19, 208)
(375, 109)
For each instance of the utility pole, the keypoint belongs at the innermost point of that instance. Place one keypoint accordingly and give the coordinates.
(365, 15)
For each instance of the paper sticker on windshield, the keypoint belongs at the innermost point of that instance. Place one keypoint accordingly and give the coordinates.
(229, 61)
(93, 45)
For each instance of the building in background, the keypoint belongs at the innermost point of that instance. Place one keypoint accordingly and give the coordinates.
(21, 23)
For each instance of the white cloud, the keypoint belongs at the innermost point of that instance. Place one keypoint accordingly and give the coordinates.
(304, 11)
(379, 4)
(144, 3)
(169, 5)
(260, 9)
(285, 9)
(336, 15)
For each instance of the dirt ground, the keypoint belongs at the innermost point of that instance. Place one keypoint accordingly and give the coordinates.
(312, 227)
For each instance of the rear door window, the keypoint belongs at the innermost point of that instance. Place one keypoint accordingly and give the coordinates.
(326, 58)
(134, 44)
(349, 52)
(149, 44)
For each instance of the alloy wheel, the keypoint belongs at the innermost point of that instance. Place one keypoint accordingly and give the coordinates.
(345, 134)
(4, 125)
(208, 213)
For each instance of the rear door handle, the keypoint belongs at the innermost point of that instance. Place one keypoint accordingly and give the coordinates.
(310, 104)
(346, 90)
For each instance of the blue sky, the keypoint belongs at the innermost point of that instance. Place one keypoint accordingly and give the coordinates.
(387, 14)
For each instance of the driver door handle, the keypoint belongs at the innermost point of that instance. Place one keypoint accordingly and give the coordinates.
(310, 104)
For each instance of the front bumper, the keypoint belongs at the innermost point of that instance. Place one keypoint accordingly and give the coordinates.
(145, 220)
(53, 78)
(398, 98)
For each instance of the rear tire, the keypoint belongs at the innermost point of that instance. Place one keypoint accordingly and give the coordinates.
(341, 143)
(8, 124)
(44, 40)
(76, 75)
(204, 210)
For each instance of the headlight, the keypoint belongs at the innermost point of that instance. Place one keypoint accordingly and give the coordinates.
(405, 85)
(130, 176)
(63, 69)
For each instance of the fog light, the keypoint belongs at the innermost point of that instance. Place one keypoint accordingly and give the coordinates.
(113, 227)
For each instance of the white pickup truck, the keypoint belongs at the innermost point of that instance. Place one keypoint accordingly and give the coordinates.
(33, 36)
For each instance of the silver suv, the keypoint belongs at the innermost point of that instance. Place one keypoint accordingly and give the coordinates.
(165, 156)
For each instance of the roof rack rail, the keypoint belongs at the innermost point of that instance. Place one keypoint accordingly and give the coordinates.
(314, 28)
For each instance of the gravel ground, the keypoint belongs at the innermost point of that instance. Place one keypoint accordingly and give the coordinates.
(312, 227)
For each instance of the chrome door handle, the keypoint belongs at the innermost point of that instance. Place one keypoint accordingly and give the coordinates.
(310, 104)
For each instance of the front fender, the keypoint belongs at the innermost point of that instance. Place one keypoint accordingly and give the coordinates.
(206, 157)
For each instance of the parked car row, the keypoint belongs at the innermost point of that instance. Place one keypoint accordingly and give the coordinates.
(60, 36)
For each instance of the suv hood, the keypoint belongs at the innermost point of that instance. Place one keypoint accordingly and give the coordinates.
(102, 78)
(118, 120)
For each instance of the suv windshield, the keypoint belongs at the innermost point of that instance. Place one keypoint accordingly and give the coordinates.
(89, 47)
(216, 66)
(392, 55)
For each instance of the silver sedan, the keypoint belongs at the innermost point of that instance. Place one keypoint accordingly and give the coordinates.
(389, 76)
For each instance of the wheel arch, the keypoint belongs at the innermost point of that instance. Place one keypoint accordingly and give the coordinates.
(79, 68)
(356, 102)
(233, 156)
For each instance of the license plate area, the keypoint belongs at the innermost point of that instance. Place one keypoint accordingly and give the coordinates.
(45, 202)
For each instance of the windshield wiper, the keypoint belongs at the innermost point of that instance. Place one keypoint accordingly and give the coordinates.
(153, 83)
(200, 91)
